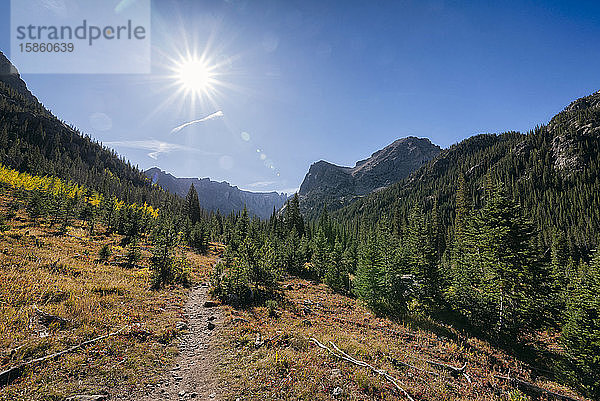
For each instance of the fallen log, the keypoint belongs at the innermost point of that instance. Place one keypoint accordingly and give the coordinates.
(454, 371)
(342, 355)
(534, 390)
(11, 374)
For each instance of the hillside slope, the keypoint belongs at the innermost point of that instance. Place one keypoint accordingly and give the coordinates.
(274, 357)
(337, 186)
(220, 196)
(33, 140)
(553, 171)
(56, 293)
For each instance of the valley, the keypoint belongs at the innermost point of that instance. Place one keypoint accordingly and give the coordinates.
(468, 271)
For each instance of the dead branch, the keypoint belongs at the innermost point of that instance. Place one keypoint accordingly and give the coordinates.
(533, 389)
(454, 371)
(342, 355)
(9, 375)
(397, 362)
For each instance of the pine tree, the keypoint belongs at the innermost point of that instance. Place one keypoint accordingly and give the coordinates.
(240, 232)
(133, 255)
(512, 280)
(192, 205)
(325, 226)
(397, 284)
(367, 284)
(199, 237)
(292, 253)
(336, 271)
(581, 332)
(104, 253)
(38, 205)
(461, 221)
(88, 211)
(562, 270)
(461, 276)
(216, 226)
(268, 274)
(422, 258)
(292, 217)
(350, 256)
(164, 240)
(321, 254)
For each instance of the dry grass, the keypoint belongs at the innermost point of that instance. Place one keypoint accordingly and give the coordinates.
(61, 275)
(287, 366)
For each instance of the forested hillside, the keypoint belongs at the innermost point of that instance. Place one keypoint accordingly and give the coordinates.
(33, 140)
(552, 172)
(495, 236)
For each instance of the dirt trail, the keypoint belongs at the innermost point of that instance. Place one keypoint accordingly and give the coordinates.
(194, 374)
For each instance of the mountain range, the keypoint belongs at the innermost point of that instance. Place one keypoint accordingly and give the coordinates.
(36, 141)
(221, 196)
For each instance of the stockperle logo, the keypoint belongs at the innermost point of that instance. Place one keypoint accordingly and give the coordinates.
(74, 36)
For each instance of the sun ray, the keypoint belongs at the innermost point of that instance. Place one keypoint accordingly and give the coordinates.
(192, 50)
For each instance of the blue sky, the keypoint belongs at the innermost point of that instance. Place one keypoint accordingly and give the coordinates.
(310, 80)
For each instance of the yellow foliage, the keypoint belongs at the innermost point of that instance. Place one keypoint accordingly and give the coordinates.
(61, 188)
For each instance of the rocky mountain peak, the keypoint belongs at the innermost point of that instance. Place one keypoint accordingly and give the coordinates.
(9, 75)
(586, 102)
(336, 186)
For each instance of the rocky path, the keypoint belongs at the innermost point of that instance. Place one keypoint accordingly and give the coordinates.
(194, 374)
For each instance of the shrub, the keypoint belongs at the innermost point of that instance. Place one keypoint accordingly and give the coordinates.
(104, 253)
(166, 267)
(272, 305)
(248, 272)
(229, 282)
(133, 255)
(3, 225)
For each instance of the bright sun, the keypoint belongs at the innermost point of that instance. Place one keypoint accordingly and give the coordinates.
(195, 76)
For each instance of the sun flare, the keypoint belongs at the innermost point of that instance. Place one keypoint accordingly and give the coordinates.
(195, 76)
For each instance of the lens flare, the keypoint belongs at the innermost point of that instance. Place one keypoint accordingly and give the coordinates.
(195, 76)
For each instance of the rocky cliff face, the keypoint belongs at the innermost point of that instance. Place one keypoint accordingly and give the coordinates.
(220, 195)
(336, 186)
(577, 123)
(10, 76)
